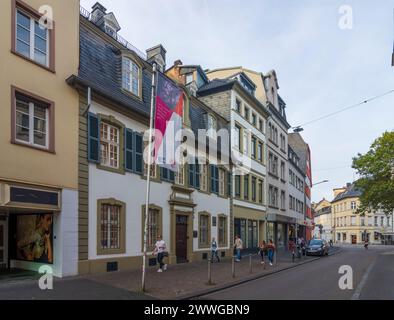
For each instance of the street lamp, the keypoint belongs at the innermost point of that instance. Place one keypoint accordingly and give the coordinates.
(324, 181)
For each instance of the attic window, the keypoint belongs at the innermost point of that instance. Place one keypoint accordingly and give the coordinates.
(110, 30)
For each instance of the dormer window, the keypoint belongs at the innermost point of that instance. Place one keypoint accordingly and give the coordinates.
(131, 76)
(189, 78)
(212, 126)
(110, 30)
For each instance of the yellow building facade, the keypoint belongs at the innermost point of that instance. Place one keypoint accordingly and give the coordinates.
(38, 134)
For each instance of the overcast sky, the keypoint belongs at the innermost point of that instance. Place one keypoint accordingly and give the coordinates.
(321, 68)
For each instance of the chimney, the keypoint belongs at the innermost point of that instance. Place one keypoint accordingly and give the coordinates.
(157, 54)
(178, 63)
(338, 191)
(348, 185)
(98, 13)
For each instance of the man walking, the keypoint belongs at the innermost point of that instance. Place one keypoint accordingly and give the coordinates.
(238, 245)
(214, 250)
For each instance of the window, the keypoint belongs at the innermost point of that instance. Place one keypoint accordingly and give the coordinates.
(254, 145)
(247, 114)
(131, 76)
(189, 78)
(381, 221)
(260, 152)
(376, 222)
(237, 138)
(204, 177)
(32, 40)
(353, 221)
(222, 184)
(222, 231)
(388, 221)
(33, 120)
(180, 176)
(282, 170)
(153, 168)
(261, 191)
(246, 187)
(363, 221)
(261, 125)
(283, 200)
(204, 230)
(153, 228)
(238, 186)
(275, 166)
(212, 126)
(109, 145)
(238, 106)
(246, 143)
(254, 119)
(254, 189)
(110, 227)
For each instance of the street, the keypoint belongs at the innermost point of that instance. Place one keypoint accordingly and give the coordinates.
(373, 278)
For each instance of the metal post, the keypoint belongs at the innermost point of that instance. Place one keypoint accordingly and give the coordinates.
(148, 176)
(233, 266)
(250, 263)
(209, 272)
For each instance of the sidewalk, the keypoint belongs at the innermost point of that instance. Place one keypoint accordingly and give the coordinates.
(185, 281)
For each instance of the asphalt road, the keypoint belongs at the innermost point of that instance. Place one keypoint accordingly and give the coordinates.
(373, 278)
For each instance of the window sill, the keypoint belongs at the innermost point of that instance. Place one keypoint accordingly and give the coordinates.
(273, 207)
(50, 68)
(110, 169)
(273, 142)
(104, 252)
(17, 143)
(129, 93)
(273, 175)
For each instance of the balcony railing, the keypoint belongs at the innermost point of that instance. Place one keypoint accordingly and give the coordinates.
(87, 15)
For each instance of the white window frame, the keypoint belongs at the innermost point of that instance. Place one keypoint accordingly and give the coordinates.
(246, 142)
(109, 225)
(180, 176)
(130, 73)
(31, 125)
(107, 140)
(32, 38)
(222, 185)
(204, 177)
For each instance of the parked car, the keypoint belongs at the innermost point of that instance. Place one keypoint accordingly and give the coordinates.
(317, 247)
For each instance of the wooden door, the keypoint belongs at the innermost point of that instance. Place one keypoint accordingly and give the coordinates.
(181, 238)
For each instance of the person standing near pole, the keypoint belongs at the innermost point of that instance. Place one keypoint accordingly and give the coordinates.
(214, 250)
(262, 249)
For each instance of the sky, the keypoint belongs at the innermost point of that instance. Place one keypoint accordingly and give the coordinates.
(321, 67)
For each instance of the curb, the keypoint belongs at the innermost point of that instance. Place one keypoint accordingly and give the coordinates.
(248, 279)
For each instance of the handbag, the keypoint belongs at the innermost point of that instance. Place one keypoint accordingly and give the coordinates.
(165, 254)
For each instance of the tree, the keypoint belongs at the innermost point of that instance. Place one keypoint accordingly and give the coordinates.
(376, 169)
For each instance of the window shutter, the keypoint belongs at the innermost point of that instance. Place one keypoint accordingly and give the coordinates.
(172, 176)
(213, 184)
(191, 175)
(217, 179)
(197, 175)
(129, 150)
(138, 153)
(93, 138)
(229, 183)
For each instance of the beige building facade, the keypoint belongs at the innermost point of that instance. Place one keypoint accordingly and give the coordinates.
(39, 135)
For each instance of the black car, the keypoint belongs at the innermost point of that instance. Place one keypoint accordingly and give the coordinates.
(317, 247)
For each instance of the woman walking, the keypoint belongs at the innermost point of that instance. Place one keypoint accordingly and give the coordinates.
(161, 251)
(271, 251)
(262, 249)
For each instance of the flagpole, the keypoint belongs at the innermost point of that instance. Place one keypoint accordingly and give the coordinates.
(148, 175)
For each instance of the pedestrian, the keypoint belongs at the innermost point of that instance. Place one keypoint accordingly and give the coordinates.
(262, 249)
(331, 244)
(292, 247)
(214, 250)
(161, 252)
(238, 245)
(271, 251)
(366, 244)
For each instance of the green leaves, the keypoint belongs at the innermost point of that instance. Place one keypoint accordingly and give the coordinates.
(376, 169)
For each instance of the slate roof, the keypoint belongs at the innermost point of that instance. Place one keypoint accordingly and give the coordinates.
(351, 192)
(101, 69)
(300, 148)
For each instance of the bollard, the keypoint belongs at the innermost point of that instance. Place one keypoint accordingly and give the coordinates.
(233, 267)
(250, 263)
(209, 272)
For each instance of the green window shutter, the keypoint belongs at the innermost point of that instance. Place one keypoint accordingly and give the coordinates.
(172, 176)
(129, 150)
(197, 175)
(93, 138)
(191, 175)
(214, 179)
(138, 153)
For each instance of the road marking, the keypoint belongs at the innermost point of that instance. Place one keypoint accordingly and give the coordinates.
(388, 253)
(356, 295)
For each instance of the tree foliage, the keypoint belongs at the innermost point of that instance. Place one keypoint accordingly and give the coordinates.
(376, 170)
